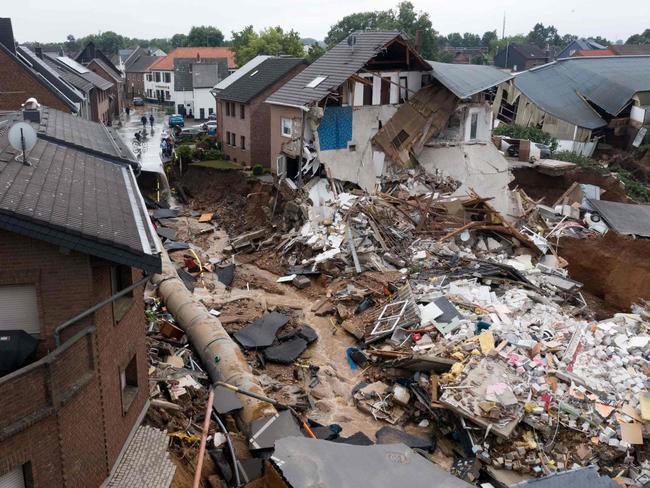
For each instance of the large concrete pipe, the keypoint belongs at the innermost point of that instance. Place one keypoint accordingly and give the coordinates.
(221, 357)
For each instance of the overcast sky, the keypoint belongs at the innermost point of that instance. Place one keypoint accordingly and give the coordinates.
(53, 20)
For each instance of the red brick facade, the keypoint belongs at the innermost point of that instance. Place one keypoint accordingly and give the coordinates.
(17, 84)
(62, 417)
(116, 91)
(255, 126)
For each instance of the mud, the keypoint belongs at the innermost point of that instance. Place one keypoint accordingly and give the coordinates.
(537, 185)
(614, 269)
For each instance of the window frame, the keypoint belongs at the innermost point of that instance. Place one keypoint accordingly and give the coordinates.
(242, 140)
(284, 125)
(121, 278)
(242, 111)
(129, 386)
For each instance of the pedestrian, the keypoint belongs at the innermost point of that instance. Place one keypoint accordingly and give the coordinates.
(143, 119)
(127, 110)
(151, 119)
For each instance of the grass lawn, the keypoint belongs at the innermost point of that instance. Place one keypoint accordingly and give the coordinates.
(218, 164)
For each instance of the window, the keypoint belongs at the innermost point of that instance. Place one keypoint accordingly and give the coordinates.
(227, 109)
(233, 139)
(149, 77)
(473, 127)
(316, 81)
(121, 278)
(399, 139)
(426, 80)
(286, 127)
(243, 142)
(167, 77)
(149, 93)
(156, 76)
(242, 111)
(19, 309)
(129, 383)
(228, 137)
(281, 166)
(210, 110)
(232, 109)
(403, 89)
(19, 477)
(167, 95)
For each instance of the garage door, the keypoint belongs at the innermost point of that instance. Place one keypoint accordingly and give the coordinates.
(19, 308)
(13, 479)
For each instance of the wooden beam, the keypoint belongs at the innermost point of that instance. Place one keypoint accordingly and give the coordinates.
(359, 79)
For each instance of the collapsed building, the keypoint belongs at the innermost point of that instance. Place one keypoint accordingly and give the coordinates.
(581, 101)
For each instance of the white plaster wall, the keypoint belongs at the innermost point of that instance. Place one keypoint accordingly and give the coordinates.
(160, 85)
(414, 80)
(483, 129)
(638, 114)
(583, 148)
(363, 165)
(203, 99)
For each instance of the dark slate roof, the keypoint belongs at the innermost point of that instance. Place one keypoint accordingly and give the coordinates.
(77, 201)
(205, 75)
(140, 64)
(111, 72)
(183, 68)
(260, 78)
(576, 478)
(464, 80)
(90, 77)
(39, 78)
(91, 52)
(529, 51)
(82, 134)
(624, 218)
(71, 77)
(608, 82)
(50, 74)
(337, 64)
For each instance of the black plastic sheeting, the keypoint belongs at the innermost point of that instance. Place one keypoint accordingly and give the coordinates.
(261, 333)
(17, 349)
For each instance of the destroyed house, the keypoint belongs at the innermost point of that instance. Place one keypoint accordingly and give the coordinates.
(329, 112)
(243, 119)
(581, 100)
(75, 240)
(22, 76)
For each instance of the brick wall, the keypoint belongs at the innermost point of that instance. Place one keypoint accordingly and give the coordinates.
(116, 91)
(134, 86)
(17, 85)
(63, 414)
(279, 112)
(240, 127)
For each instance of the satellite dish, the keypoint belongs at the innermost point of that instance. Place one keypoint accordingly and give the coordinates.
(22, 137)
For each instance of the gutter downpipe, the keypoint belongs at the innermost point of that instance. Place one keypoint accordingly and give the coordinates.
(94, 308)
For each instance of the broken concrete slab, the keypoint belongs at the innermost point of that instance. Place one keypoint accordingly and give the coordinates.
(286, 352)
(313, 462)
(261, 333)
(391, 435)
(267, 430)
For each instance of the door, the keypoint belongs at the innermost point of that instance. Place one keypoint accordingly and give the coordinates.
(385, 91)
(19, 309)
(367, 94)
(403, 89)
(13, 479)
(202, 113)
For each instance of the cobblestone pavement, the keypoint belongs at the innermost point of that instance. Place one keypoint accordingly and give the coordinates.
(145, 463)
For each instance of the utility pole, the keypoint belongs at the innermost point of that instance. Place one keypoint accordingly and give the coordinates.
(503, 31)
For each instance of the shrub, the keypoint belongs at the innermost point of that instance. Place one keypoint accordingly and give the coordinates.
(580, 160)
(522, 132)
(184, 152)
(258, 170)
(212, 154)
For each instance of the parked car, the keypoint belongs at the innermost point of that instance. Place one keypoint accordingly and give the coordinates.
(138, 101)
(176, 120)
(188, 133)
(212, 117)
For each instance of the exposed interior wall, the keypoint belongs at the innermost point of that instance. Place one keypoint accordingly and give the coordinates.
(358, 162)
(414, 83)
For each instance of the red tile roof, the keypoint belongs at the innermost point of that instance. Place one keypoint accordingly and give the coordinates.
(166, 63)
(595, 52)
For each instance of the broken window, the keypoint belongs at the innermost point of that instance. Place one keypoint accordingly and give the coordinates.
(399, 139)
(316, 81)
(129, 383)
(286, 127)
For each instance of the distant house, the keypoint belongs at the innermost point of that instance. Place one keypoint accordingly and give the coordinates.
(74, 232)
(579, 45)
(243, 119)
(581, 100)
(135, 68)
(22, 75)
(630, 49)
(159, 80)
(520, 57)
(464, 55)
(96, 89)
(193, 80)
(328, 113)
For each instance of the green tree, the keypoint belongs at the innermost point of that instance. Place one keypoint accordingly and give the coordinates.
(542, 35)
(71, 44)
(109, 42)
(643, 38)
(403, 18)
(478, 59)
(204, 35)
(471, 40)
(567, 39)
(273, 40)
(454, 39)
(178, 40)
(488, 37)
(315, 52)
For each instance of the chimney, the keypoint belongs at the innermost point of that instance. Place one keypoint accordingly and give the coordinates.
(418, 41)
(38, 50)
(32, 111)
(7, 34)
(547, 53)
